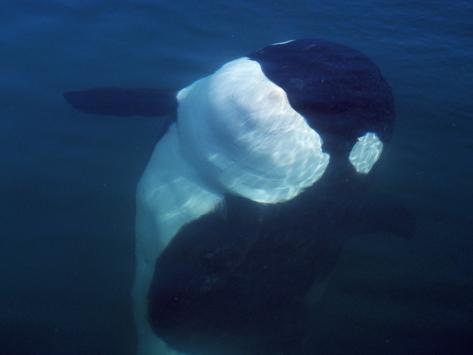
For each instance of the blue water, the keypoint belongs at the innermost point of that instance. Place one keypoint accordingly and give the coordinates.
(67, 180)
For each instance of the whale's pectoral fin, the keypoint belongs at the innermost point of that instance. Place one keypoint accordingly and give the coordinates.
(386, 214)
(124, 102)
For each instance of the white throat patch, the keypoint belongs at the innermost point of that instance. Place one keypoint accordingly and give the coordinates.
(239, 131)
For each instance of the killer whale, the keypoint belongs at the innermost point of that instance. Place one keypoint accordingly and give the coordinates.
(348, 114)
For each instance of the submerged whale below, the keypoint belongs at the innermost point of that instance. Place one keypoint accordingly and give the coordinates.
(249, 197)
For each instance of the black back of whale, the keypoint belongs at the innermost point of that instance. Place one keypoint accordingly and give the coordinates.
(339, 90)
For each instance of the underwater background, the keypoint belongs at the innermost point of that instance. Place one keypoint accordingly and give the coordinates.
(67, 180)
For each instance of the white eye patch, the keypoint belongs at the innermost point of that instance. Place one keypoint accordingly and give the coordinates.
(366, 152)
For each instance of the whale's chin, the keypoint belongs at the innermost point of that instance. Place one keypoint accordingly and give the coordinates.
(238, 130)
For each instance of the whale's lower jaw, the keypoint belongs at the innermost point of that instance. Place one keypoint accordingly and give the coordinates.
(169, 195)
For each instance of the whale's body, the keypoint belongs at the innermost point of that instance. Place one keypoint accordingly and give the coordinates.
(250, 195)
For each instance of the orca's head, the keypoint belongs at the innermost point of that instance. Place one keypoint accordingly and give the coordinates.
(341, 94)
(269, 125)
